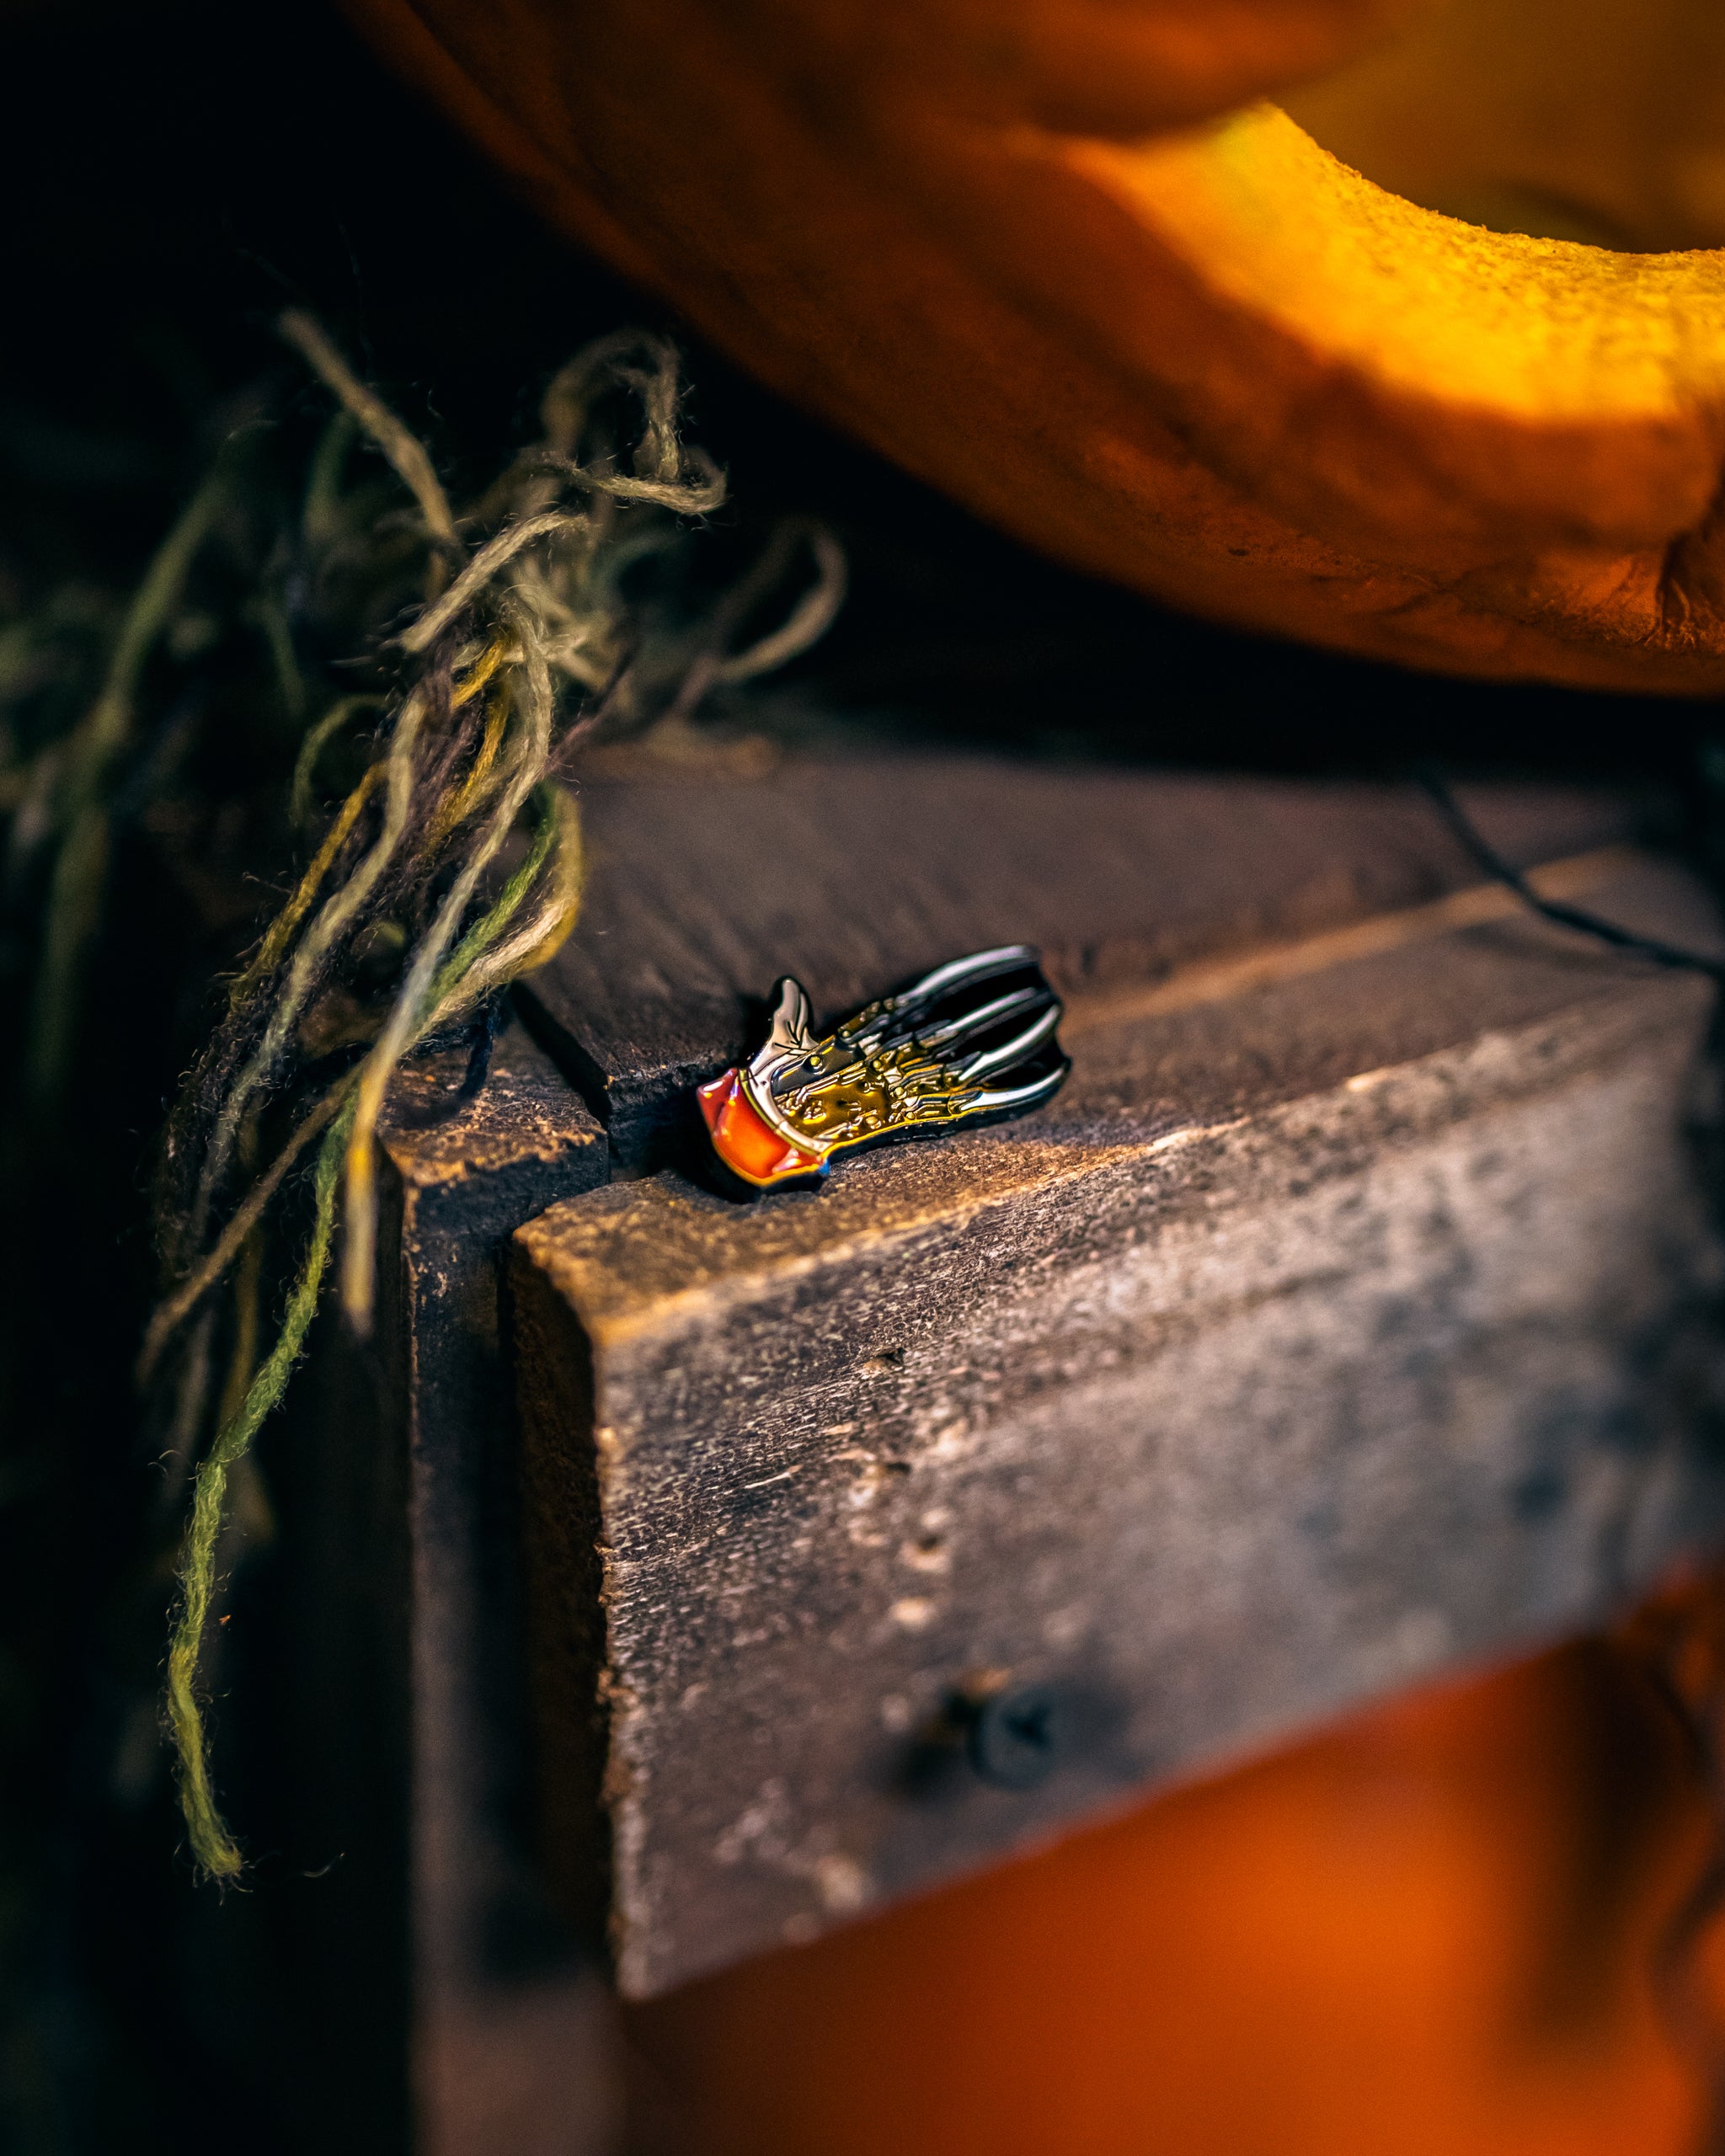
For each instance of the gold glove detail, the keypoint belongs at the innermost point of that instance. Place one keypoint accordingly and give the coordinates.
(973, 1041)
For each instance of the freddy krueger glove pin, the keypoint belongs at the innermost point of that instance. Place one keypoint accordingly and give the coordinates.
(971, 1042)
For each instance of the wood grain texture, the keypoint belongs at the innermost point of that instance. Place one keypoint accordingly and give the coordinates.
(1321, 1336)
(855, 871)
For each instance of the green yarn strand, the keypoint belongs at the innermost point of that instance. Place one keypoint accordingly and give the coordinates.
(523, 644)
(213, 1847)
(80, 871)
(491, 924)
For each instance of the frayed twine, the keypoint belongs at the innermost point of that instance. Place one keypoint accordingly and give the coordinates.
(523, 646)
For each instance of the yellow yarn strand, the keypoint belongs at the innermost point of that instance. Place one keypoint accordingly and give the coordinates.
(299, 796)
(275, 945)
(533, 620)
(474, 788)
(406, 1021)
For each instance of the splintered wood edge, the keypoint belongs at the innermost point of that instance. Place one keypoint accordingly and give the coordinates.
(526, 1111)
(658, 1256)
(970, 1175)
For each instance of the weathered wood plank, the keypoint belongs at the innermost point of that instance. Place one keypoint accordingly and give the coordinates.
(1325, 1332)
(854, 873)
(486, 1948)
(399, 1753)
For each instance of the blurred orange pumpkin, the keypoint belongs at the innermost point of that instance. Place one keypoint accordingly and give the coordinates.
(1048, 255)
(1432, 1930)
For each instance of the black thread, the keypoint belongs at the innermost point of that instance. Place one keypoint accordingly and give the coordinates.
(488, 1021)
(1487, 857)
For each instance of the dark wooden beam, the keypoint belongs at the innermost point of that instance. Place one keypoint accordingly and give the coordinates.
(1349, 1317)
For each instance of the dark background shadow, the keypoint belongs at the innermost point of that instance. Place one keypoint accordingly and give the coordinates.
(173, 177)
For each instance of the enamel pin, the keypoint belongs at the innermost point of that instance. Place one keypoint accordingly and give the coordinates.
(973, 1041)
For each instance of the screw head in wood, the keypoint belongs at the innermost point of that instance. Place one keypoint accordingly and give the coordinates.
(1014, 1738)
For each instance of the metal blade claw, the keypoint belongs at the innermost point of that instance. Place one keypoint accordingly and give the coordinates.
(957, 973)
(903, 1067)
(985, 1015)
(1022, 1096)
(1042, 1028)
